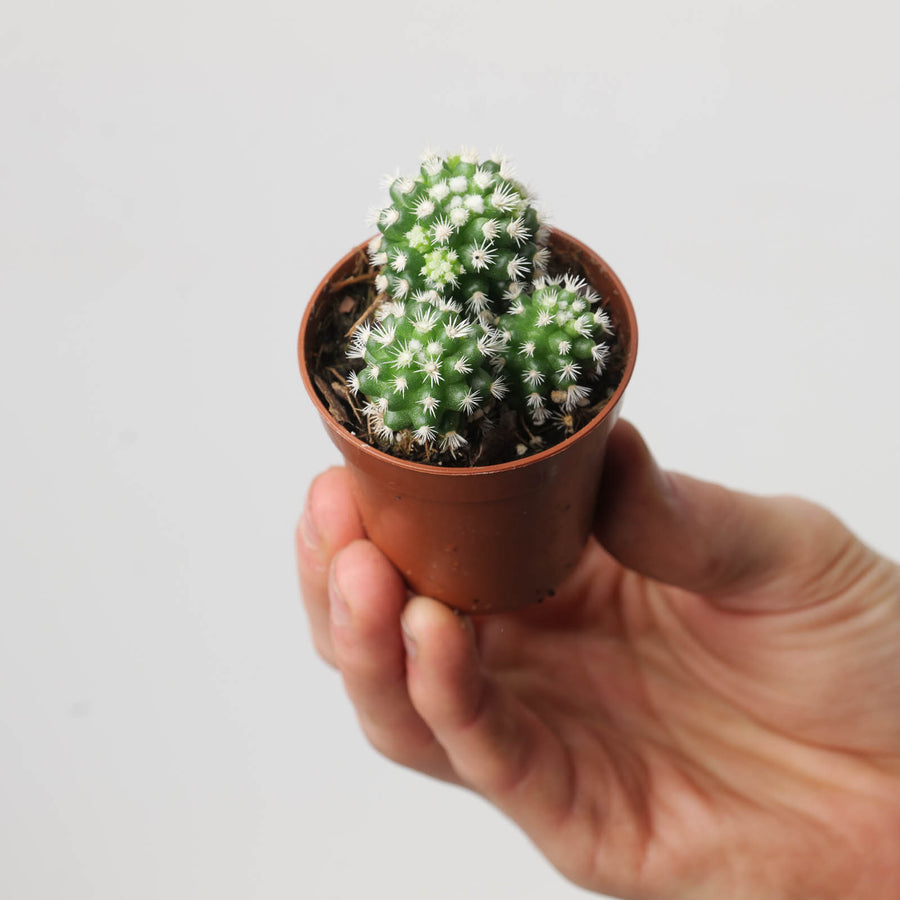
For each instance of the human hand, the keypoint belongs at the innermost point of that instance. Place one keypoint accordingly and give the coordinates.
(708, 707)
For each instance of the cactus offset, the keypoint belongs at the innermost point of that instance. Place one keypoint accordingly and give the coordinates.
(428, 371)
(557, 341)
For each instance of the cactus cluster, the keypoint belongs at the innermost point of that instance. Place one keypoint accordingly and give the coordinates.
(469, 322)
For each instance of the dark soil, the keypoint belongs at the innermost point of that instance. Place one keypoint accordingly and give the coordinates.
(497, 439)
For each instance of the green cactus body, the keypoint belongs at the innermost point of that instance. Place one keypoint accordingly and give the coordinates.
(427, 370)
(557, 340)
(461, 228)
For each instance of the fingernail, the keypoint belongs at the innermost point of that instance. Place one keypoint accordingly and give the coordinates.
(340, 611)
(409, 642)
(311, 536)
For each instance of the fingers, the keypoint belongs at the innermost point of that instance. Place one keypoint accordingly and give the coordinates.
(495, 744)
(353, 597)
(367, 596)
(702, 536)
(329, 522)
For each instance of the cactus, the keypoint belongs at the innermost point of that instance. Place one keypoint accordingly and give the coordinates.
(461, 228)
(428, 370)
(468, 324)
(556, 340)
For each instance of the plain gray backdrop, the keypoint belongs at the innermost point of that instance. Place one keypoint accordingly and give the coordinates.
(175, 179)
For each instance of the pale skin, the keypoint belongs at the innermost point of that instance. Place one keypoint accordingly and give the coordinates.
(708, 708)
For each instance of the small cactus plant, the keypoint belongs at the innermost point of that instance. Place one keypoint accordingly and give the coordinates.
(469, 323)
(427, 372)
(461, 228)
(556, 339)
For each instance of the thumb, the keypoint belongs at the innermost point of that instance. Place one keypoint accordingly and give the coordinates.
(706, 538)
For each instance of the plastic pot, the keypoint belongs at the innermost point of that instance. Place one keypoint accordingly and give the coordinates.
(486, 538)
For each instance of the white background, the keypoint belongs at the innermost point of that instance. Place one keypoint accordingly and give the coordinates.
(175, 178)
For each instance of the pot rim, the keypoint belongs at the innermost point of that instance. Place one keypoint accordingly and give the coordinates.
(497, 468)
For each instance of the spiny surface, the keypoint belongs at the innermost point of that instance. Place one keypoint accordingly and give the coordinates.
(461, 227)
(428, 370)
(556, 342)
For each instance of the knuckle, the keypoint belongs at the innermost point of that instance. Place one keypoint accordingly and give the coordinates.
(324, 650)
(384, 744)
(400, 746)
(326, 657)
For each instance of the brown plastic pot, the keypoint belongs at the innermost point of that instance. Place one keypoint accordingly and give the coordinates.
(485, 538)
